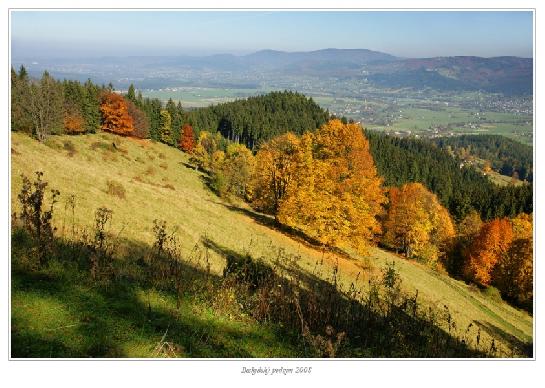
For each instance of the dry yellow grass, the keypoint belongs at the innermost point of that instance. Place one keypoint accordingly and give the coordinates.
(158, 184)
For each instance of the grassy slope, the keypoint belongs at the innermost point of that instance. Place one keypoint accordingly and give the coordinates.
(159, 185)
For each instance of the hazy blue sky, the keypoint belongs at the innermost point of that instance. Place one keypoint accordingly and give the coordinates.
(402, 33)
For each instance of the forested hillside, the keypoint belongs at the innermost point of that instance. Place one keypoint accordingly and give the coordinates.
(460, 188)
(506, 156)
(260, 118)
(74, 108)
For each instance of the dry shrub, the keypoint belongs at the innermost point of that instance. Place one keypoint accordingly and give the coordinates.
(115, 189)
(100, 145)
(36, 218)
(150, 171)
(69, 147)
(109, 157)
(73, 121)
(138, 178)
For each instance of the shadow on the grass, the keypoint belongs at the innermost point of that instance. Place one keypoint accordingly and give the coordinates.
(373, 328)
(122, 311)
(134, 306)
(293, 233)
(517, 345)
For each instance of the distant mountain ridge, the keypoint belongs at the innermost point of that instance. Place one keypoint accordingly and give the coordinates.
(359, 56)
(508, 75)
(505, 74)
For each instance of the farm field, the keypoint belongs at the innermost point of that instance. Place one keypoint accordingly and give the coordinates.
(435, 116)
(196, 97)
(457, 121)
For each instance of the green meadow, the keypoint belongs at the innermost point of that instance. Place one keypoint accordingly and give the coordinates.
(57, 312)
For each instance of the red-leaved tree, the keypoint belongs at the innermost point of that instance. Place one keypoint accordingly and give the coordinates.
(140, 121)
(187, 140)
(115, 114)
(492, 242)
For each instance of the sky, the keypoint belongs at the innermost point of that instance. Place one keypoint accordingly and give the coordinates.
(400, 33)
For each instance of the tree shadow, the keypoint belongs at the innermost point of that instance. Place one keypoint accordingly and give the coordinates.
(189, 166)
(288, 231)
(372, 328)
(25, 344)
(526, 348)
(132, 309)
(123, 314)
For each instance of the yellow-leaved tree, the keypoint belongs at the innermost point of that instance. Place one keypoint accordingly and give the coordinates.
(276, 164)
(232, 171)
(335, 194)
(207, 145)
(417, 224)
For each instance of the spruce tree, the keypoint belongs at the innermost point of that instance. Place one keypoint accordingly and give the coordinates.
(131, 95)
(91, 106)
(165, 128)
(20, 115)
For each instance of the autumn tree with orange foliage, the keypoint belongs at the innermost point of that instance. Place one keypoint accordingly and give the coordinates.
(513, 273)
(417, 224)
(187, 140)
(501, 254)
(73, 120)
(115, 114)
(488, 247)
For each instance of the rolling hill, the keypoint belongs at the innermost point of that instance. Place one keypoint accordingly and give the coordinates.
(508, 75)
(141, 181)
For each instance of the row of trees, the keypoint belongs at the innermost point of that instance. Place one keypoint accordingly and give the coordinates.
(145, 118)
(323, 183)
(47, 106)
